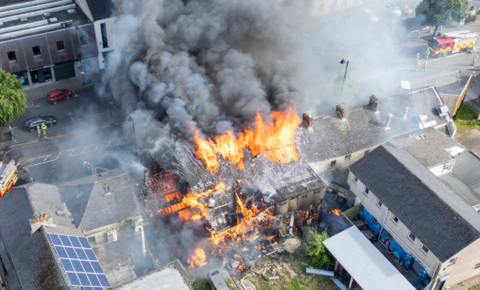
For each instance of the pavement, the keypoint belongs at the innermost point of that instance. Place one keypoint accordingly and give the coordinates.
(465, 285)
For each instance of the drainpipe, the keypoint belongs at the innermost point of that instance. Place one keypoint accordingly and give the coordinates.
(139, 227)
(434, 277)
(383, 223)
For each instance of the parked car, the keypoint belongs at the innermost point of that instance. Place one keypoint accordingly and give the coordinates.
(406, 10)
(58, 95)
(32, 123)
(393, 9)
(370, 15)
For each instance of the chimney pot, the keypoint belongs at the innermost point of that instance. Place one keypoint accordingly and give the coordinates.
(307, 119)
(342, 112)
(374, 103)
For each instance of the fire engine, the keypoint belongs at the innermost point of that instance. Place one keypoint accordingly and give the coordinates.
(8, 177)
(452, 42)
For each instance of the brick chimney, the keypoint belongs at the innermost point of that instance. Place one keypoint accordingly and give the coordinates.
(36, 221)
(342, 112)
(374, 103)
(307, 119)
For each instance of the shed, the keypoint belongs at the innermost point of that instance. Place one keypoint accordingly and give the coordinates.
(367, 266)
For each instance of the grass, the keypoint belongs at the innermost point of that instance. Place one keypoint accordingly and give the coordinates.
(466, 117)
(297, 262)
(201, 284)
(475, 287)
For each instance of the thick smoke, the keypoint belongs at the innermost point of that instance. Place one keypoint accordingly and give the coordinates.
(209, 65)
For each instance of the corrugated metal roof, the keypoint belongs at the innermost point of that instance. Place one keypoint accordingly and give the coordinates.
(370, 269)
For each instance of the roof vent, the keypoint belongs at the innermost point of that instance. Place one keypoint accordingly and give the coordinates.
(477, 207)
(389, 120)
(423, 117)
(46, 14)
(442, 110)
(23, 19)
(107, 190)
(54, 19)
(72, 11)
(418, 137)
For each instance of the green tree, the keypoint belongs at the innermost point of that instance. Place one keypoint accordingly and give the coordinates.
(441, 12)
(12, 99)
(315, 249)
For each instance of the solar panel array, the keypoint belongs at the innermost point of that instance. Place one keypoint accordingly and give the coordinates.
(79, 262)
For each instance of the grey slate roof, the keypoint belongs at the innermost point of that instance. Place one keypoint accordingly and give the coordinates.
(92, 208)
(330, 137)
(430, 150)
(428, 208)
(100, 9)
(32, 259)
(464, 179)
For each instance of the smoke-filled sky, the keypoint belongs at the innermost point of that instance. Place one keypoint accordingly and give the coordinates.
(212, 64)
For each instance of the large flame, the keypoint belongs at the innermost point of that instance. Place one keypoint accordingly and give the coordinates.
(198, 259)
(273, 139)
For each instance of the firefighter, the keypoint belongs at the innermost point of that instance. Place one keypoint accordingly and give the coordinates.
(39, 132)
(44, 128)
(418, 56)
(427, 53)
(474, 61)
(425, 65)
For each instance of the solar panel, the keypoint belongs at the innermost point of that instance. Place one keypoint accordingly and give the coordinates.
(79, 262)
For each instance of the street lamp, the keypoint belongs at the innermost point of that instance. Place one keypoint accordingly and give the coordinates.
(135, 139)
(345, 76)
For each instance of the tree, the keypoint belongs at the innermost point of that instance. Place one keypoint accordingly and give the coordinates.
(441, 12)
(315, 249)
(12, 99)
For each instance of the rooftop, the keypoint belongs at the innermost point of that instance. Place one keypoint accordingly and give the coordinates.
(331, 137)
(370, 269)
(170, 276)
(429, 209)
(100, 200)
(32, 17)
(429, 146)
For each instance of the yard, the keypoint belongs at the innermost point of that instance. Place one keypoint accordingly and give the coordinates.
(466, 117)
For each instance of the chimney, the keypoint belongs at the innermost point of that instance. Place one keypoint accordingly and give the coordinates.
(36, 221)
(107, 190)
(374, 103)
(389, 119)
(342, 112)
(307, 119)
(405, 113)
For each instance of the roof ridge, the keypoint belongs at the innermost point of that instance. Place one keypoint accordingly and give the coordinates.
(88, 203)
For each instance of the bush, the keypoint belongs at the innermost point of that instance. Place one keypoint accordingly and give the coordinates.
(466, 117)
(475, 287)
(315, 249)
(471, 18)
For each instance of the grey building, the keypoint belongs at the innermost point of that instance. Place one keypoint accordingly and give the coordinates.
(44, 41)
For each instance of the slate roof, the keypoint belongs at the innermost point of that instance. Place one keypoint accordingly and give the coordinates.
(92, 207)
(330, 137)
(33, 261)
(429, 209)
(100, 9)
(428, 146)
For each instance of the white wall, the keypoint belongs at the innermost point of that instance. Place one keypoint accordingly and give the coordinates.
(110, 25)
(398, 230)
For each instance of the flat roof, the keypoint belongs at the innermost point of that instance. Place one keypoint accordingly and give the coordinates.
(370, 269)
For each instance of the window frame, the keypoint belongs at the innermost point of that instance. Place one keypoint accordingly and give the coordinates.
(379, 203)
(355, 179)
(393, 219)
(414, 237)
(454, 261)
(39, 50)
(477, 266)
(14, 55)
(62, 45)
(366, 191)
(423, 246)
(333, 163)
(348, 158)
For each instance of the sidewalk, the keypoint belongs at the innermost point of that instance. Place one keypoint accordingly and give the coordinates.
(466, 284)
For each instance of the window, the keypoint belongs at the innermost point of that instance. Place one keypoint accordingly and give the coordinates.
(412, 237)
(347, 158)
(477, 266)
(36, 50)
(83, 40)
(355, 179)
(424, 249)
(452, 261)
(367, 151)
(103, 29)
(60, 45)
(366, 191)
(379, 203)
(394, 219)
(332, 164)
(11, 56)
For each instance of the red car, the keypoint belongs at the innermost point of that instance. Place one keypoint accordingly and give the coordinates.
(58, 95)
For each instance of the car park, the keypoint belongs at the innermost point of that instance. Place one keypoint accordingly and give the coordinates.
(58, 95)
(32, 123)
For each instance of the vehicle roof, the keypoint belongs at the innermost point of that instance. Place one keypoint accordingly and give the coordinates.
(54, 92)
(40, 118)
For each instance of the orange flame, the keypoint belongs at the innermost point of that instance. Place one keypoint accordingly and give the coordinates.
(198, 259)
(241, 268)
(237, 256)
(273, 139)
(336, 212)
